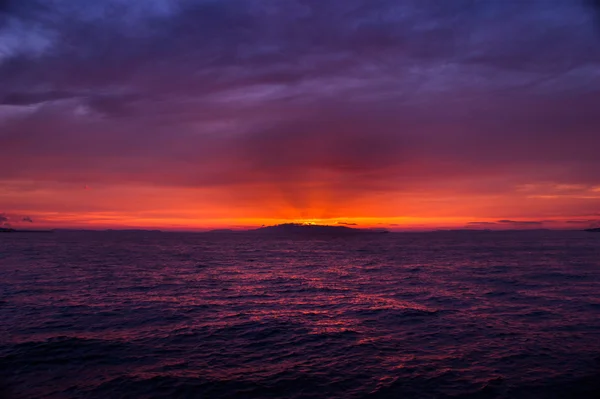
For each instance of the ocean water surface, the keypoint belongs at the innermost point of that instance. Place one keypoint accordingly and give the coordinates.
(420, 315)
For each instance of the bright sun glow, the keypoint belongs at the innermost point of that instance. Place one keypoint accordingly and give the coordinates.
(308, 222)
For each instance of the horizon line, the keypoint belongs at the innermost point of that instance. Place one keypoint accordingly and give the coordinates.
(247, 230)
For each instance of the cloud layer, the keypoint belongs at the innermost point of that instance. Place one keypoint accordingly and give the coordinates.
(326, 108)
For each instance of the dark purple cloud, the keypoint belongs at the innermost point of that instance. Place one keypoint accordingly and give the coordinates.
(5, 221)
(595, 5)
(511, 224)
(482, 224)
(521, 223)
(586, 223)
(532, 224)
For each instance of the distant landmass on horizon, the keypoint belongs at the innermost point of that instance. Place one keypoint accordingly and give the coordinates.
(314, 229)
(11, 230)
(301, 229)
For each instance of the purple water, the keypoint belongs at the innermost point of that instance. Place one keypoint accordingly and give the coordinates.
(429, 315)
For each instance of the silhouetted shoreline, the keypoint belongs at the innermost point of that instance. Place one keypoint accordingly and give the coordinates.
(5, 230)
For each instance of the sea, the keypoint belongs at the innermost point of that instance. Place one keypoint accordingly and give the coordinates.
(465, 314)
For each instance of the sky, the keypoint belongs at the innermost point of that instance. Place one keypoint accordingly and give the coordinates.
(196, 114)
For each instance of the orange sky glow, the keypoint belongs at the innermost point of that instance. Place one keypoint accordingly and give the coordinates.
(171, 208)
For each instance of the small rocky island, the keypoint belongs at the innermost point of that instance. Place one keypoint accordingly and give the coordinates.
(595, 230)
(7, 230)
(314, 229)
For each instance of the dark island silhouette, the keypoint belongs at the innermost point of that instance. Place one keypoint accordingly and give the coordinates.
(313, 229)
(594, 230)
(11, 230)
